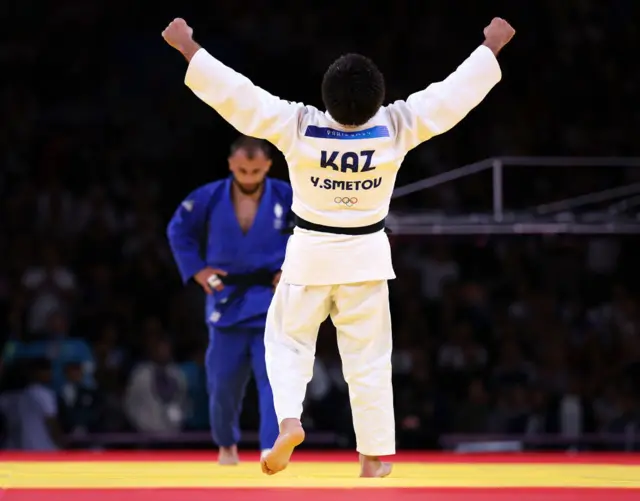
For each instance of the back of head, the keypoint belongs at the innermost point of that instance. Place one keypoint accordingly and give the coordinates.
(353, 90)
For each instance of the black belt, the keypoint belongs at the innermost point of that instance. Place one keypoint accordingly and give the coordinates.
(261, 277)
(358, 230)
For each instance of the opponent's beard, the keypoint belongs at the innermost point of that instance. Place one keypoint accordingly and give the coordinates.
(248, 190)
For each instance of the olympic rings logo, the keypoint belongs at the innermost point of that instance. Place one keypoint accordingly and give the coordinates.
(349, 202)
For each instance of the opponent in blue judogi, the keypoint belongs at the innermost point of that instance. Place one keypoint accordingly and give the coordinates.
(207, 239)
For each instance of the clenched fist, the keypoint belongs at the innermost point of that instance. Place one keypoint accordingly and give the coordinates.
(180, 36)
(209, 279)
(498, 34)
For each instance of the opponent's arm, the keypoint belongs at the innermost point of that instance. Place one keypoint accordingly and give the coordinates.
(250, 109)
(185, 232)
(442, 105)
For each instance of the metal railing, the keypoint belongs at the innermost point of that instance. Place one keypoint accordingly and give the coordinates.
(550, 218)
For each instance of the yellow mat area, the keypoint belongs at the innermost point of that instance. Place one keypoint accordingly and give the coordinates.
(202, 474)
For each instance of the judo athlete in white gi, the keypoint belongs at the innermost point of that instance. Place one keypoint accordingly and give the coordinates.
(342, 165)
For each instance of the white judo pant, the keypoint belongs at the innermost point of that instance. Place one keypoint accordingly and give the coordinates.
(360, 313)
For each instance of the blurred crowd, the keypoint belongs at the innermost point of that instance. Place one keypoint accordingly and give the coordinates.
(101, 141)
(521, 336)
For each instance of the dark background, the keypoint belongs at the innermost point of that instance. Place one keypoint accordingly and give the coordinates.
(100, 140)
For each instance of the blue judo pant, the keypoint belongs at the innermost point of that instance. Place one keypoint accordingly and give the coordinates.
(231, 357)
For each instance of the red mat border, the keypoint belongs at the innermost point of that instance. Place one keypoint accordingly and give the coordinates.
(414, 494)
(147, 456)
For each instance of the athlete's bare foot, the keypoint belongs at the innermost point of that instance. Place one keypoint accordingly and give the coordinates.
(373, 467)
(228, 456)
(291, 435)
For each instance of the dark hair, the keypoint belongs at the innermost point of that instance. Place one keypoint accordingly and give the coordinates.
(251, 146)
(353, 89)
(40, 364)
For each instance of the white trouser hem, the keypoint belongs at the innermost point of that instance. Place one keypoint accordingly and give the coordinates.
(378, 452)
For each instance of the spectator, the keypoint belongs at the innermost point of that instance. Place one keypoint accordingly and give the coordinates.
(570, 414)
(53, 343)
(156, 395)
(462, 352)
(437, 269)
(79, 403)
(512, 367)
(50, 288)
(196, 378)
(472, 415)
(37, 410)
(14, 382)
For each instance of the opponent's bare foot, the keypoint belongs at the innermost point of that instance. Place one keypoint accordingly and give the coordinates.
(291, 436)
(228, 456)
(373, 467)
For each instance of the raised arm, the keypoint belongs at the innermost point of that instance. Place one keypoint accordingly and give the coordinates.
(439, 107)
(250, 109)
